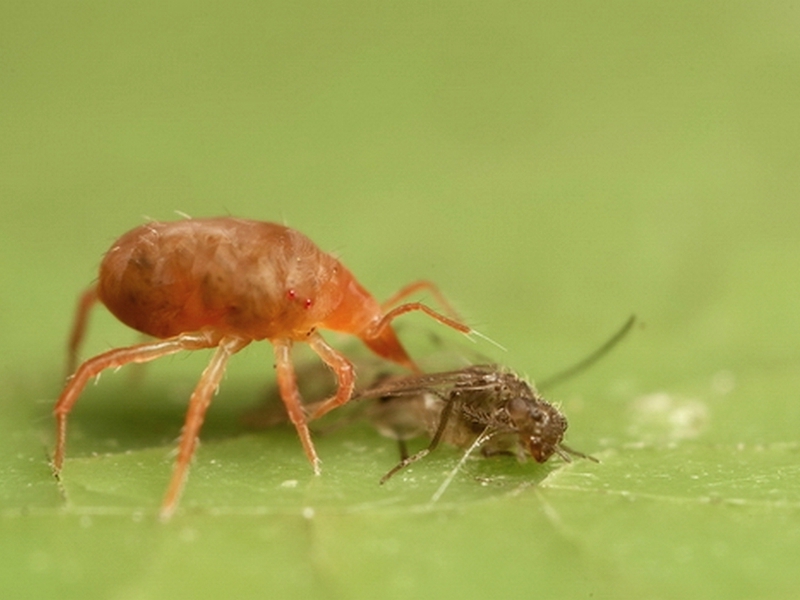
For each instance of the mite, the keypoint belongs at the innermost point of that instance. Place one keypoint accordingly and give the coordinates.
(484, 406)
(223, 283)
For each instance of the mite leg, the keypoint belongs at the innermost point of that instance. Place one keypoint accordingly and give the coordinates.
(198, 404)
(343, 368)
(377, 330)
(85, 304)
(287, 384)
(416, 286)
(382, 340)
(112, 359)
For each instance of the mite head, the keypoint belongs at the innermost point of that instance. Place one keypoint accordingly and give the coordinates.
(539, 425)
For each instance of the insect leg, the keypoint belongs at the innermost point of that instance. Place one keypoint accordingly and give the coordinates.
(287, 384)
(85, 304)
(484, 437)
(343, 368)
(437, 437)
(402, 446)
(198, 404)
(139, 353)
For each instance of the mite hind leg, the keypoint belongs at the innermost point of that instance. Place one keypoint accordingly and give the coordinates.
(198, 404)
(113, 359)
(85, 304)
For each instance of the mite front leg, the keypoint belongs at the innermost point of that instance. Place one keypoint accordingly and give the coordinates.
(113, 359)
(198, 404)
(343, 368)
(416, 286)
(287, 384)
(412, 306)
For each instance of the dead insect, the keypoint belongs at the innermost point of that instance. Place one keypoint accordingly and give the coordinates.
(223, 283)
(480, 406)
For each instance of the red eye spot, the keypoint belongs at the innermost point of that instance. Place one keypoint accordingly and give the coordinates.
(290, 294)
(308, 303)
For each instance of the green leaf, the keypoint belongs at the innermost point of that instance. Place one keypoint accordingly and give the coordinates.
(552, 167)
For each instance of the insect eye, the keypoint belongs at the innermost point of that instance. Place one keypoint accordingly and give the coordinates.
(518, 408)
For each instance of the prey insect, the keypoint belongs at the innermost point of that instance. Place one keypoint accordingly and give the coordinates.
(480, 406)
(223, 283)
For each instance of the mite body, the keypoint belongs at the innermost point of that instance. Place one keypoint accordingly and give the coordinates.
(483, 406)
(223, 283)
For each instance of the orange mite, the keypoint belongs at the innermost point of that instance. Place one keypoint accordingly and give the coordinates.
(223, 283)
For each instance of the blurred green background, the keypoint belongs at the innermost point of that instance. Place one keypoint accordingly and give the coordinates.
(553, 167)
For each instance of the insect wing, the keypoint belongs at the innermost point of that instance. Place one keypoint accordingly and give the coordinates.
(474, 378)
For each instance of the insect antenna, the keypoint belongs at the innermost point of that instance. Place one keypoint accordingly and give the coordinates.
(567, 453)
(587, 362)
